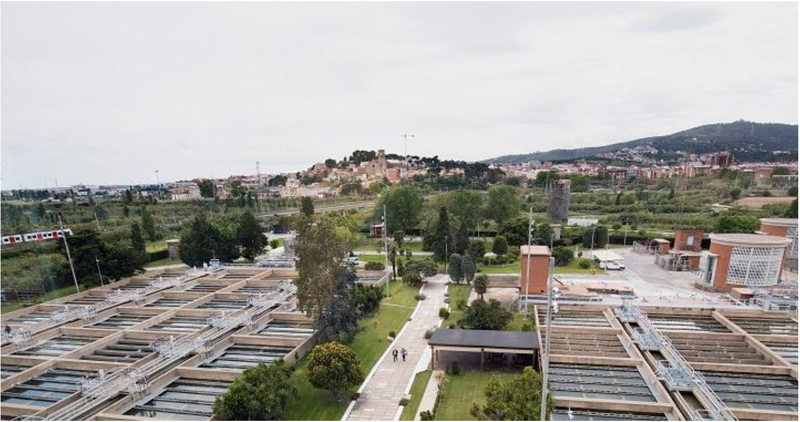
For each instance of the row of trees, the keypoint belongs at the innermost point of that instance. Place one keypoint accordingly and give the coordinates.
(207, 237)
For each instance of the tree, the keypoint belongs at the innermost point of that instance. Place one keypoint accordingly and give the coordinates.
(86, 246)
(468, 267)
(148, 224)
(543, 234)
(207, 188)
(126, 211)
(416, 270)
(203, 240)
(480, 285)
(250, 235)
(339, 319)
(563, 256)
(792, 191)
(399, 237)
(502, 203)
(137, 241)
(403, 206)
(330, 163)
(735, 192)
(462, 239)
(320, 255)
(780, 171)
(466, 206)
(477, 248)
(100, 212)
(367, 299)
(334, 367)
(518, 399)
(120, 261)
(737, 223)
(482, 315)
(307, 206)
(128, 198)
(261, 393)
(600, 234)
(455, 269)
(500, 246)
(393, 260)
(441, 240)
(792, 211)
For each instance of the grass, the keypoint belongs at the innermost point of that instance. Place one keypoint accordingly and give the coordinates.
(373, 245)
(518, 321)
(461, 391)
(417, 391)
(51, 295)
(513, 268)
(156, 246)
(456, 293)
(369, 344)
(162, 262)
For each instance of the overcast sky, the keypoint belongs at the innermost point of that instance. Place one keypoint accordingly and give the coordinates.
(109, 92)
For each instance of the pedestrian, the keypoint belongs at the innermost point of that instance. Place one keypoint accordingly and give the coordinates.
(404, 353)
(8, 329)
(394, 354)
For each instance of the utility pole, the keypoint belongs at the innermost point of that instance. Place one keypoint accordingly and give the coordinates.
(97, 261)
(546, 357)
(69, 257)
(528, 259)
(158, 180)
(386, 249)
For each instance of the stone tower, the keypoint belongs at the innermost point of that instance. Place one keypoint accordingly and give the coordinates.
(558, 201)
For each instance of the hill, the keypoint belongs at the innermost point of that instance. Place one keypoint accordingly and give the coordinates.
(749, 141)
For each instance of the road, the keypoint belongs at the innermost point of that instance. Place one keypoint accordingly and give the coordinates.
(331, 208)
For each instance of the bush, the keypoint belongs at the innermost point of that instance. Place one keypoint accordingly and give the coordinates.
(426, 416)
(404, 402)
(260, 393)
(482, 315)
(429, 333)
(334, 367)
(453, 369)
(374, 266)
(461, 304)
(563, 256)
(444, 313)
(420, 297)
(527, 326)
(584, 264)
(392, 334)
(452, 326)
(367, 299)
(616, 226)
(415, 271)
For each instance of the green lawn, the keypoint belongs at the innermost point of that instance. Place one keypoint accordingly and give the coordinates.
(54, 294)
(369, 344)
(519, 320)
(456, 293)
(417, 391)
(373, 245)
(162, 262)
(513, 268)
(158, 245)
(461, 391)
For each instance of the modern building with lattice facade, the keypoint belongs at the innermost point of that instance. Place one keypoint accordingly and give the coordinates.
(745, 260)
(783, 227)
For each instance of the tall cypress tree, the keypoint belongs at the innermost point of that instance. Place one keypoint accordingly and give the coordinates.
(442, 240)
(137, 241)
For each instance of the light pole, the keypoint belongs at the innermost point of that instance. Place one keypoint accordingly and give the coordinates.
(385, 250)
(97, 261)
(552, 307)
(69, 257)
(528, 259)
(158, 180)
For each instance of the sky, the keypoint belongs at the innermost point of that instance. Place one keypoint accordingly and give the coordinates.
(102, 93)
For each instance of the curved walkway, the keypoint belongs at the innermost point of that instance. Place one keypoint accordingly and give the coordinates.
(381, 395)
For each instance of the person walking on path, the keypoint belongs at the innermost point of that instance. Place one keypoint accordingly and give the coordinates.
(394, 355)
(404, 353)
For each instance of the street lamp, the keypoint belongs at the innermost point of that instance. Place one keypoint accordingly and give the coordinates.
(69, 257)
(553, 293)
(97, 261)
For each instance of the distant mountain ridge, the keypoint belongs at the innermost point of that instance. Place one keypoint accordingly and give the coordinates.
(749, 141)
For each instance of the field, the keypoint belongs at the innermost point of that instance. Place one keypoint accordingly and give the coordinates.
(461, 391)
(758, 202)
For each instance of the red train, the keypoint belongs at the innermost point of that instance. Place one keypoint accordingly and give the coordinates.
(35, 236)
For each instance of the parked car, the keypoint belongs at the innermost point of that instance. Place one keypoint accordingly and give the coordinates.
(612, 265)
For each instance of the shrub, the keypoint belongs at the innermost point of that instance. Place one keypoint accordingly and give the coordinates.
(419, 297)
(260, 393)
(453, 369)
(392, 334)
(334, 367)
(527, 326)
(429, 333)
(563, 256)
(461, 304)
(367, 299)
(404, 402)
(444, 313)
(452, 326)
(374, 266)
(482, 315)
(616, 226)
(584, 263)
(426, 416)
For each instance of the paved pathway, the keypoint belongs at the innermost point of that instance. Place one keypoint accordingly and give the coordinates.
(381, 396)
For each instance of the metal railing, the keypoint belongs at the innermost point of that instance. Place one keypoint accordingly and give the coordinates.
(95, 392)
(674, 370)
